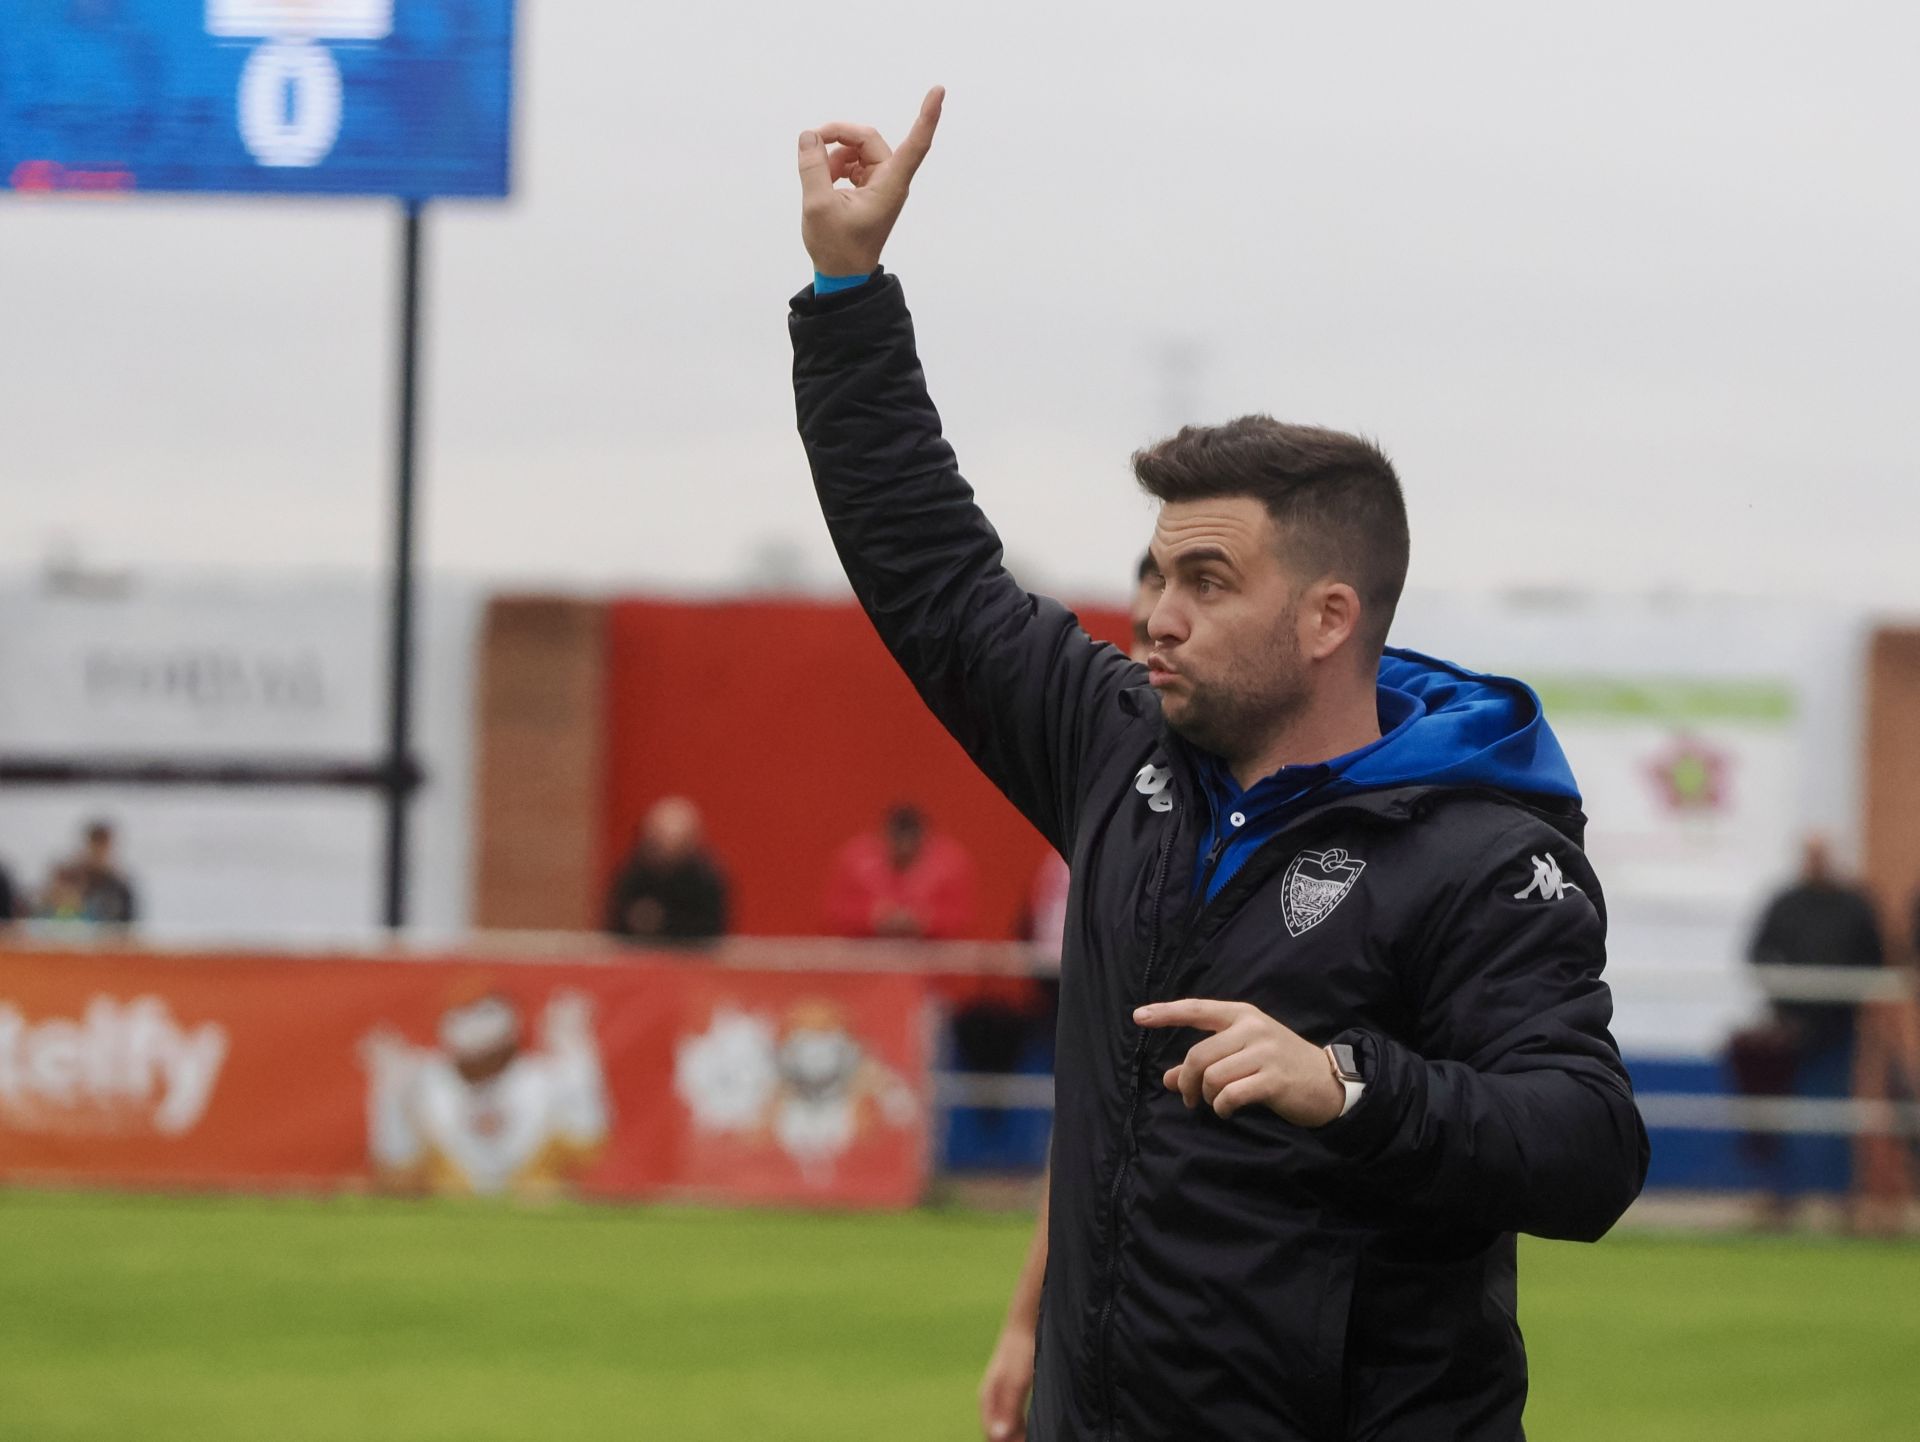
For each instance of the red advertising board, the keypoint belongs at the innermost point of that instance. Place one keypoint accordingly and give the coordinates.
(645, 1078)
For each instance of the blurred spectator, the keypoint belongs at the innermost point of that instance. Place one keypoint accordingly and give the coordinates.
(901, 881)
(91, 886)
(1806, 1048)
(670, 889)
(9, 904)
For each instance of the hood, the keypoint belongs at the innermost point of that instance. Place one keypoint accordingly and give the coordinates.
(1454, 727)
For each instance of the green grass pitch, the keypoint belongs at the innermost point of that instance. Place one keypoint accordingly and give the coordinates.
(203, 1320)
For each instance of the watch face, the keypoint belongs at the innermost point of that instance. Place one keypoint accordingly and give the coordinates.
(1344, 1061)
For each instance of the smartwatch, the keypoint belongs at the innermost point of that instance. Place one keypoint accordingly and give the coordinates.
(1346, 1071)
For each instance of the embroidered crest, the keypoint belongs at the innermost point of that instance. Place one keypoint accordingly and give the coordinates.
(1315, 883)
(1152, 782)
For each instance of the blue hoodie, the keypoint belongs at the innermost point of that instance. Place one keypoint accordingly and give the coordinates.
(1441, 726)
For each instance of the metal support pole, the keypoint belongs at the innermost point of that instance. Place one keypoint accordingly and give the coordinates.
(400, 773)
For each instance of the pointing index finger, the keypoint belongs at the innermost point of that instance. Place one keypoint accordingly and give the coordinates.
(919, 140)
(1192, 1011)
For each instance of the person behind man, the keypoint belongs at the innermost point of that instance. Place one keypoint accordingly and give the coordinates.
(1140, 614)
(670, 889)
(90, 886)
(1807, 1047)
(1332, 1028)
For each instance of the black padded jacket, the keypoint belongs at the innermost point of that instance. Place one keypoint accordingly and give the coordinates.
(1246, 1279)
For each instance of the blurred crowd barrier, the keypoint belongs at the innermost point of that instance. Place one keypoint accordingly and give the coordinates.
(791, 1078)
(807, 1071)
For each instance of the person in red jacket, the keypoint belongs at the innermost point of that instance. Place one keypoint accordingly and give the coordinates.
(901, 881)
(905, 881)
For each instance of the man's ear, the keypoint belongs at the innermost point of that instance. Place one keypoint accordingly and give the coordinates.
(1330, 618)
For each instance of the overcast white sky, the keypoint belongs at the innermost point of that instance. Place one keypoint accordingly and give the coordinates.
(1629, 292)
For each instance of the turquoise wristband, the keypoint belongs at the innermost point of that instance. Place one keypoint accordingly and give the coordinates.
(828, 284)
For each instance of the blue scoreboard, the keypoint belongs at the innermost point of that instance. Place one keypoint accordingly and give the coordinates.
(408, 98)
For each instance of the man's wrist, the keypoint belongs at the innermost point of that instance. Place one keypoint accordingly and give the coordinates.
(824, 284)
(1345, 1070)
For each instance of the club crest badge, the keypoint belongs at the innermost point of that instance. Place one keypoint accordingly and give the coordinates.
(1315, 883)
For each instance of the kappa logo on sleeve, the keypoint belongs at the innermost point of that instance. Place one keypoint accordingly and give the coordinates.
(1315, 883)
(1547, 884)
(1153, 782)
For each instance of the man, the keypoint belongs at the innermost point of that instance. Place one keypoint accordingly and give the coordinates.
(670, 890)
(1331, 1025)
(1807, 1047)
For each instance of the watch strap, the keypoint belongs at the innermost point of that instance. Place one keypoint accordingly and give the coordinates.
(1346, 1071)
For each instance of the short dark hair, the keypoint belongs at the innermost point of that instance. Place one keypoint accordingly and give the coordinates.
(1333, 496)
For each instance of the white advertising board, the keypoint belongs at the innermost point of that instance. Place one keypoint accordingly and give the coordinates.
(252, 669)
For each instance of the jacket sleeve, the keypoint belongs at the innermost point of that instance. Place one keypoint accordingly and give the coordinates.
(1012, 676)
(1511, 1111)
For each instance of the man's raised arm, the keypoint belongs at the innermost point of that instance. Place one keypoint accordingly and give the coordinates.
(1011, 675)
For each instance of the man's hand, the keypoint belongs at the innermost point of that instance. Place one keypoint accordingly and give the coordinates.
(1249, 1058)
(845, 230)
(1007, 1385)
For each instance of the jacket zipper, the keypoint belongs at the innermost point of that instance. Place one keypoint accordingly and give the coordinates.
(1208, 865)
(1127, 1139)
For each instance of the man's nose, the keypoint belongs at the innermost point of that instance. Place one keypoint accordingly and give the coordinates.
(1168, 623)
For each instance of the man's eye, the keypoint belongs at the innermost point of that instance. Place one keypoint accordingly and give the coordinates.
(1206, 585)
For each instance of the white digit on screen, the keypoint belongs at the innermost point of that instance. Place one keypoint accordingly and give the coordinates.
(290, 103)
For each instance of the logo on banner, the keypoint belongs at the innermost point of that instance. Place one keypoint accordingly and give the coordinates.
(806, 1082)
(1691, 776)
(122, 1068)
(1315, 883)
(488, 1110)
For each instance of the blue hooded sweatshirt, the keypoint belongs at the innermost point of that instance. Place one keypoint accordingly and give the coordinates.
(1440, 725)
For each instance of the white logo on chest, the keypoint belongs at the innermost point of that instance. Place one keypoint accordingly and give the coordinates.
(1153, 782)
(1315, 883)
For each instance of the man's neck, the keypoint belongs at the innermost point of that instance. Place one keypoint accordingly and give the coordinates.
(1320, 732)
